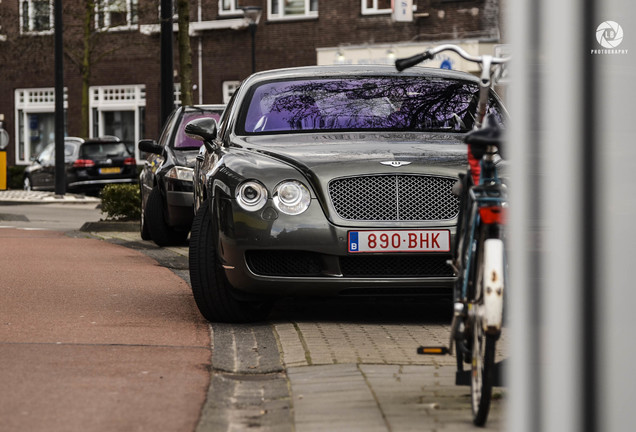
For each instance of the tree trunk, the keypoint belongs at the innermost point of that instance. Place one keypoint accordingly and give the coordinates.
(185, 52)
(85, 67)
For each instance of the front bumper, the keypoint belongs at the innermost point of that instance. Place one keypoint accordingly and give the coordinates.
(268, 252)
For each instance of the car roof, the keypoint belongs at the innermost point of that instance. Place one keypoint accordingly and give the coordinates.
(206, 107)
(358, 70)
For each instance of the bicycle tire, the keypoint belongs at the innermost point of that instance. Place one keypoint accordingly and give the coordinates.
(483, 345)
(483, 366)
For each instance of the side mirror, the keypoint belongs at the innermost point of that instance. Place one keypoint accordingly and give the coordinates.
(203, 129)
(150, 146)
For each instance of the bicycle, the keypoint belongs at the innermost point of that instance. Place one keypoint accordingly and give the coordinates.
(479, 256)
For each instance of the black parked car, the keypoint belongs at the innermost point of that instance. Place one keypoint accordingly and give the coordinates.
(166, 179)
(90, 164)
(329, 181)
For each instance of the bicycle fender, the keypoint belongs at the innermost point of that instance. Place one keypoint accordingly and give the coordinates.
(493, 285)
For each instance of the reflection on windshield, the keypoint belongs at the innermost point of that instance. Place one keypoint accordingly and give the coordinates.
(363, 103)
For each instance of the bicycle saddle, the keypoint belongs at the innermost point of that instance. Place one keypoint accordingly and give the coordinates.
(490, 134)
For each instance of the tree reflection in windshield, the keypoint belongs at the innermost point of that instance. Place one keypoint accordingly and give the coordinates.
(363, 103)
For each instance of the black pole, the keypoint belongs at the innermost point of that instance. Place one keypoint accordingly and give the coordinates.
(167, 78)
(60, 174)
(252, 27)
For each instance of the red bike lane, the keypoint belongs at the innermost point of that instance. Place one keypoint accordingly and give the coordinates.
(95, 336)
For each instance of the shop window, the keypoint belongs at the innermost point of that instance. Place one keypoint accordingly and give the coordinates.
(34, 122)
(119, 111)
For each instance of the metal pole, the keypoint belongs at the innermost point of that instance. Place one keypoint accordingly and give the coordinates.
(167, 77)
(60, 175)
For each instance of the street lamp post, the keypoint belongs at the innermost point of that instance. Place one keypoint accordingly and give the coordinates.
(252, 16)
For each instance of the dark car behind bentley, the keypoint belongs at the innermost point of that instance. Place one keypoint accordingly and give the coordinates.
(166, 178)
(90, 164)
(329, 181)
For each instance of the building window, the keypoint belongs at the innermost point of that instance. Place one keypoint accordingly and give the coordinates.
(229, 87)
(35, 122)
(291, 9)
(36, 16)
(176, 94)
(119, 111)
(116, 14)
(374, 7)
(229, 7)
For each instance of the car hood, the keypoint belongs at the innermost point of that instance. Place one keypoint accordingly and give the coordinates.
(337, 154)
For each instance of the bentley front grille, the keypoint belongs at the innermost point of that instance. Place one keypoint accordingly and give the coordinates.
(394, 198)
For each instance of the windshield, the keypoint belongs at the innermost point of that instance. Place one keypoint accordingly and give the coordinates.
(182, 141)
(399, 103)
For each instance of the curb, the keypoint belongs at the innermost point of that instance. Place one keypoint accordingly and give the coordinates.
(110, 226)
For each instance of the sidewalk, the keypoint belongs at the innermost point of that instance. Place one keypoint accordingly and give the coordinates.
(17, 196)
(334, 368)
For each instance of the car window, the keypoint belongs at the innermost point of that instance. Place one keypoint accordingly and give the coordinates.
(69, 149)
(182, 141)
(166, 134)
(365, 103)
(45, 157)
(103, 150)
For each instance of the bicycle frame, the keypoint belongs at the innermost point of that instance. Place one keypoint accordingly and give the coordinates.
(479, 259)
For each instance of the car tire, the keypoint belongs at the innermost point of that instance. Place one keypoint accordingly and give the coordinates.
(214, 295)
(160, 232)
(26, 184)
(143, 226)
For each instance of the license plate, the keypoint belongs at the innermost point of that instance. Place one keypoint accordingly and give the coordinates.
(399, 241)
(110, 170)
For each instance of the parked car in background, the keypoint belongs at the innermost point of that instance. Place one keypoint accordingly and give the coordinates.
(166, 178)
(329, 180)
(90, 164)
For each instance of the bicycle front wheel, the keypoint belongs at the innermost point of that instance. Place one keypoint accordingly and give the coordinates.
(483, 372)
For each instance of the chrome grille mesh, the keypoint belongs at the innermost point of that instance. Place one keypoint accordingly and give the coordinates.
(394, 198)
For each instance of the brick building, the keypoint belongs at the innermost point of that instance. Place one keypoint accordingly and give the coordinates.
(124, 83)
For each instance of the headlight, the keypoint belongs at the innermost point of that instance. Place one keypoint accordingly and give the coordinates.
(291, 197)
(181, 173)
(251, 195)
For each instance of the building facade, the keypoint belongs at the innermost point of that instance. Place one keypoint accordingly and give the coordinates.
(124, 52)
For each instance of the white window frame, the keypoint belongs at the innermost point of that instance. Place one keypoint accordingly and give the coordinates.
(32, 101)
(373, 10)
(229, 87)
(233, 10)
(280, 16)
(176, 92)
(116, 98)
(31, 18)
(102, 8)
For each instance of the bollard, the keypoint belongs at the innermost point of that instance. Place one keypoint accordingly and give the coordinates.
(4, 141)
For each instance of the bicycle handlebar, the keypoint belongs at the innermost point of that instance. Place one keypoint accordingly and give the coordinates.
(401, 64)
